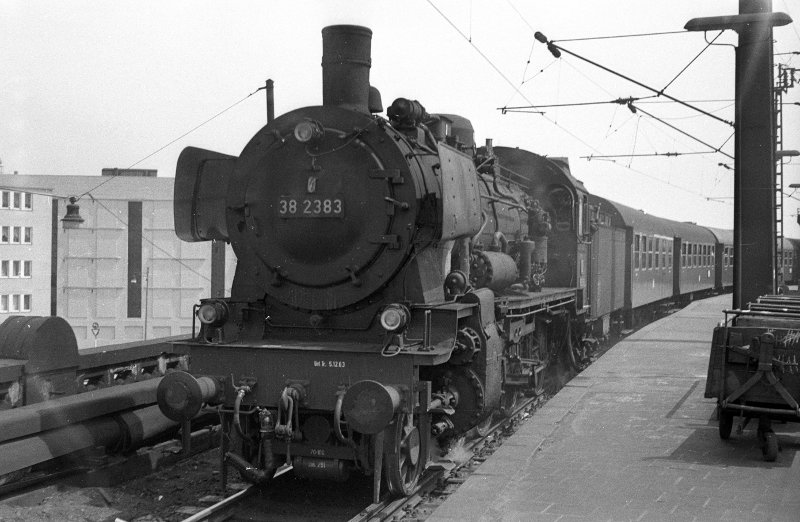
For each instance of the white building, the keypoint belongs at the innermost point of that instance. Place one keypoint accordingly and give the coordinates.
(122, 270)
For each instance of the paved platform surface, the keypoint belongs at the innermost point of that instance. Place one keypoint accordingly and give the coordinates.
(632, 438)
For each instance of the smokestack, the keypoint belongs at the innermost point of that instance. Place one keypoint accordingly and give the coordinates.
(346, 59)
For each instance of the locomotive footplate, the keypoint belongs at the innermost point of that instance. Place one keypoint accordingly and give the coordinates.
(534, 302)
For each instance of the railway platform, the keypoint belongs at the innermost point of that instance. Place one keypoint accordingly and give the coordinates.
(633, 438)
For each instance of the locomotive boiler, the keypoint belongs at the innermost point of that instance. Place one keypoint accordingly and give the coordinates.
(390, 291)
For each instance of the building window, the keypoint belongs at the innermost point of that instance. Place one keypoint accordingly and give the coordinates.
(16, 234)
(15, 303)
(28, 235)
(4, 268)
(27, 268)
(16, 200)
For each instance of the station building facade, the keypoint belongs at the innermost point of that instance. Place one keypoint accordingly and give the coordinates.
(122, 274)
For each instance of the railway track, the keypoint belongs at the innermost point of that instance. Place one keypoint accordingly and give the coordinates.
(438, 477)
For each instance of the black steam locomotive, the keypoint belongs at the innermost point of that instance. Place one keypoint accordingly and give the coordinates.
(389, 285)
(396, 284)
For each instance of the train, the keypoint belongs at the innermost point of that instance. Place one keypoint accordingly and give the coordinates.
(397, 284)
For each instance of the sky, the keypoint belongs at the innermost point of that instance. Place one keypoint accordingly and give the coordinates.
(87, 85)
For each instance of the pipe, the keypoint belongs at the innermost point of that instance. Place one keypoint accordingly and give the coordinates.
(121, 432)
(250, 473)
(61, 412)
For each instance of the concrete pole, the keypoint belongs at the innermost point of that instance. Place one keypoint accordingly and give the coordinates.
(754, 176)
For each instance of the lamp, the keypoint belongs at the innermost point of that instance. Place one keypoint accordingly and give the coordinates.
(72, 219)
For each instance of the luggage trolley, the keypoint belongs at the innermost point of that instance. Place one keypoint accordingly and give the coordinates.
(754, 367)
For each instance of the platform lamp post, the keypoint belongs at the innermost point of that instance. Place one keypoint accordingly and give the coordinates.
(754, 165)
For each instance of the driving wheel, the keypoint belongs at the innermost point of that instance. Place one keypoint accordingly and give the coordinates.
(402, 459)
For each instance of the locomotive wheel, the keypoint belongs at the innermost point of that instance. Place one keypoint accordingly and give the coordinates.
(402, 460)
(725, 424)
(770, 446)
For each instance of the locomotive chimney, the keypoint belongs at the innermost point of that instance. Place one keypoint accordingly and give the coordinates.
(345, 66)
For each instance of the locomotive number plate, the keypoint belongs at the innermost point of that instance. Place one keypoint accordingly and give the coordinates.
(310, 207)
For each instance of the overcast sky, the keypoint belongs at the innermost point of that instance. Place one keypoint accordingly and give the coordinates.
(88, 85)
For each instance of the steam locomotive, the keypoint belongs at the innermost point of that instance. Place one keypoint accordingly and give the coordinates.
(397, 284)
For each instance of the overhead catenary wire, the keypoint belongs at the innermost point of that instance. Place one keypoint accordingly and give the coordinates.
(504, 77)
(617, 36)
(532, 106)
(673, 127)
(140, 234)
(648, 154)
(619, 101)
(692, 61)
(659, 92)
(220, 113)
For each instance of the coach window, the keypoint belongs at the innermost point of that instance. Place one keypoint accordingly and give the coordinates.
(669, 254)
(636, 251)
(649, 252)
(656, 250)
(642, 252)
